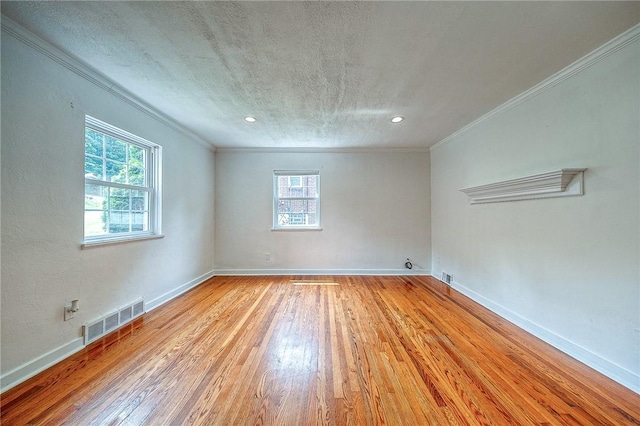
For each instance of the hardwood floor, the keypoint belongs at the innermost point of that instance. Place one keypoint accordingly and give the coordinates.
(321, 350)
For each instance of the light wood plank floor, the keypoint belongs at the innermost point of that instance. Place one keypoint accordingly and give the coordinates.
(363, 351)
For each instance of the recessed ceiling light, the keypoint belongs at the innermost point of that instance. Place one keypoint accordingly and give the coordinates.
(250, 119)
(397, 119)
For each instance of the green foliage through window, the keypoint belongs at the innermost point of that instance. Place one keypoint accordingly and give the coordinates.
(119, 191)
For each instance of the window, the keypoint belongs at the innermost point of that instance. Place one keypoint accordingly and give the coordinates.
(295, 181)
(296, 199)
(121, 185)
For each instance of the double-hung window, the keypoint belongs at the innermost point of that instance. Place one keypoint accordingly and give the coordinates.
(296, 199)
(122, 185)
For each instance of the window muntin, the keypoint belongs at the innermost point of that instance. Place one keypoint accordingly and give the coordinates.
(122, 185)
(296, 199)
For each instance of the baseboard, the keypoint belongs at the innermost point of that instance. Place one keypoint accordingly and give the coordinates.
(152, 304)
(253, 272)
(31, 368)
(609, 369)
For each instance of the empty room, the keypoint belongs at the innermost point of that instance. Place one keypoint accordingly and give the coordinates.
(305, 213)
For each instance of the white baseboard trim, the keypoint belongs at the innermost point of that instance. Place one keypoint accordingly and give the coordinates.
(41, 363)
(31, 368)
(615, 372)
(152, 304)
(289, 272)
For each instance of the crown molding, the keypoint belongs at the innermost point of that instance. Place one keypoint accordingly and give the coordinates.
(15, 30)
(609, 48)
(362, 150)
(559, 183)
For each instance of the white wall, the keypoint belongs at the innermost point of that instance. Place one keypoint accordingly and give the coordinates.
(43, 265)
(374, 212)
(566, 268)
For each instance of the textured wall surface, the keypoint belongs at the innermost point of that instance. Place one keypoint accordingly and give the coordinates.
(43, 265)
(374, 212)
(565, 268)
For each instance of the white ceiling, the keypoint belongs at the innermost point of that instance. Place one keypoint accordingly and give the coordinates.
(325, 74)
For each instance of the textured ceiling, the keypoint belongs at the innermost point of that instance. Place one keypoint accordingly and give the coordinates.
(325, 74)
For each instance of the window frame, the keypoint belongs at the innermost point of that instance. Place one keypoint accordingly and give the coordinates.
(152, 185)
(294, 173)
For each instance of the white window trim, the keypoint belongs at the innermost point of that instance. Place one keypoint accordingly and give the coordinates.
(276, 226)
(154, 186)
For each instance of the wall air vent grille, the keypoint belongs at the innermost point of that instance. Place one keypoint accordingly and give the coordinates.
(111, 322)
(138, 308)
(93, 331)
(126, 314)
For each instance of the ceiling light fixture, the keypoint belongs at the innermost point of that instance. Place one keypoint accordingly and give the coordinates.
(397, 119)
(250, 119)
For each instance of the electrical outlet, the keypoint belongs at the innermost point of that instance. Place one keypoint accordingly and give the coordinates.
(71, 309)
(68, 313)
(267, 257)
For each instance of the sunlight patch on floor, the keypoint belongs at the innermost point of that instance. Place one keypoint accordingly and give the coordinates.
(312, 282)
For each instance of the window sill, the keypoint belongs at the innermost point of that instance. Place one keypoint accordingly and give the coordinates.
(295, 229)
(116, 240)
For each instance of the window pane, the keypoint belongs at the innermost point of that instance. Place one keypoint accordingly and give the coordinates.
(295, 181)
(119, 199)
(93, 143)
(136, 155)
(297, 186)
(139, 200)
(296, 192)
(115, 210)
(93, 168)
(284, 188)
(310, 186)
(94, 223)
(119, 222)
(95, 197)
(284, 192)
(116, 172)
(140, 221)
(136, 176)
(296, 206)
(116, 149)
(297, 212)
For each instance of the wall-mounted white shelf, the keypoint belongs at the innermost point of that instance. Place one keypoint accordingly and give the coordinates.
(559, 183)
